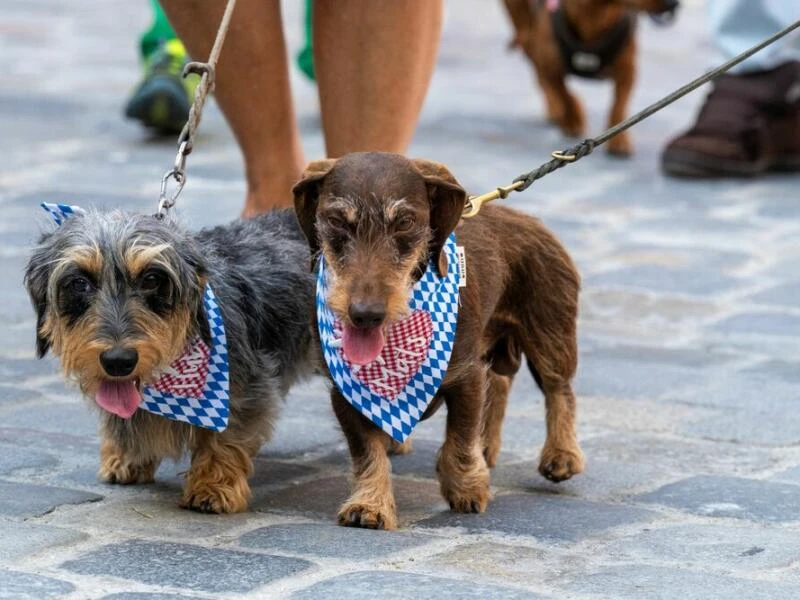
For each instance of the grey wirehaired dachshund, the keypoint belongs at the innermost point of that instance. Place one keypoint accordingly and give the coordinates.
(119, 297)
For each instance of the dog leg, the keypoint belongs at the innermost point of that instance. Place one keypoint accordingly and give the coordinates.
(496, 402)
(621, 144)
(463, 474)
(118, 467)
(570, 117)
(561, 454)
(371, 504)
(217, 478)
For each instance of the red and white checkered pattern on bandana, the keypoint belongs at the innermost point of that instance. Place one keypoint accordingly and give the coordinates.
(405, 350)
(186, 376)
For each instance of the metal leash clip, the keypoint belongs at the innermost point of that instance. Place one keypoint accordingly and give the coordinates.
(178, 172)
(475, 203)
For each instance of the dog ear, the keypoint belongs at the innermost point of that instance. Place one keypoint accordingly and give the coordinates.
(447, 200)
(306, 197)
(37, 277)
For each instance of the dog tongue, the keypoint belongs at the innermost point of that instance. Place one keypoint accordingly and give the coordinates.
(362, 346)
(119, 397)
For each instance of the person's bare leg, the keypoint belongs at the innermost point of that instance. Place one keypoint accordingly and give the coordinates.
(373, 62)
(252, 89)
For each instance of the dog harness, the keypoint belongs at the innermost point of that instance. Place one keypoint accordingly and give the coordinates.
(588, 60)
(195, 388)
(394, 390)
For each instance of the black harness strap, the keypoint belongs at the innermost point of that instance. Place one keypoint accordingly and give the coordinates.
(590, 60)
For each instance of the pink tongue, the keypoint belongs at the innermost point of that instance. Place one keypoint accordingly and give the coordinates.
(119, 397)
(362, 346)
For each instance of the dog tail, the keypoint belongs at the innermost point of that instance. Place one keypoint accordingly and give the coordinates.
(523, 16)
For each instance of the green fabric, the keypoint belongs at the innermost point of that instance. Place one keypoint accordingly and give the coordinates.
(305, 58)
(160, 31)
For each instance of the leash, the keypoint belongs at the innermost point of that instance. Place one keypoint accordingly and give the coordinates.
(584, 148)
(207, 72)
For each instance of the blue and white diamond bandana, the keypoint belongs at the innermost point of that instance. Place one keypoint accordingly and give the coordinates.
(394, 390)
(195, 388)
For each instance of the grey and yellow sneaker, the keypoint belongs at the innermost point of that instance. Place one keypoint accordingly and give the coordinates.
(162, 99)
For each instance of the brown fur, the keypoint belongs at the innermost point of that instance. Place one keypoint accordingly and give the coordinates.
(521, 298)
(590, 20)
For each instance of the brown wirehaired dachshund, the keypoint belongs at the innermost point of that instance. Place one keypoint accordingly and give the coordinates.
(379, 220)
(588, 38)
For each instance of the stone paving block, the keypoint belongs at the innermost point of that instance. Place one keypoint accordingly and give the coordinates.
(11, 395)
(306, 423)
(786, 294)
(698, 281)
(504, 563)
(186, 566)
(21, 539)
(19, 370)
(149, 596)
(546, 517)
(636, 581)
(393, 585)
(332, 541)
(759, 425)
(722, 548)
(25, 586)
(13, 458)
(730, 497)
(791, 475)
(24, 500)
(151, 510)
(755, 323)
(323, 497)
(74, 418)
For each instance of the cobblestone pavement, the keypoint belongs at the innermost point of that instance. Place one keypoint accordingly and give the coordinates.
(688, 377)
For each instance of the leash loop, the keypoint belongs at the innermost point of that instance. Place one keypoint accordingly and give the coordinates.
(584, 148)
(207, 73)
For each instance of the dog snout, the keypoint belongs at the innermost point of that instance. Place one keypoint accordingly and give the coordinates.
(119, 361)
(366, 315)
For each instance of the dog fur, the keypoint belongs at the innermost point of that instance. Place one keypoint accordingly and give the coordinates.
(590, 21)
(108, 280)
(379, 219)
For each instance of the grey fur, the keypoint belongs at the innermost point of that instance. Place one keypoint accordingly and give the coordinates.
(258, 269)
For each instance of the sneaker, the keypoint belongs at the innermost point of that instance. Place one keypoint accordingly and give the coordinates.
(161, 101)
(749, 124)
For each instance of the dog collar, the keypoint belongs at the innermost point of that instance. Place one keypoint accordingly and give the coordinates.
(588, 60)
(394, 390)
(195, 388)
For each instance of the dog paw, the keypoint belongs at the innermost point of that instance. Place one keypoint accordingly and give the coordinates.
(355, 514)
(216, 500)
(467, 491)
(114, 470)
(620, 146)
(559, 464)
(398, 449)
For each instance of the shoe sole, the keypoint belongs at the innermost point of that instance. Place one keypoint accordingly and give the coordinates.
(694, 165)
(160, 104)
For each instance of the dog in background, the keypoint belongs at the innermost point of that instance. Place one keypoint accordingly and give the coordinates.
(379, 220)
(118, 296)
(588, 38)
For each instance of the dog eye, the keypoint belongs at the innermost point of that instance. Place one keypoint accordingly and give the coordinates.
(80, 285)
(337, 222)
(151, 281)
(404, 223)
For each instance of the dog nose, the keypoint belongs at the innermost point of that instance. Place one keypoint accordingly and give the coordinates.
(670, 5)
(366, 315)
(119, 362)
